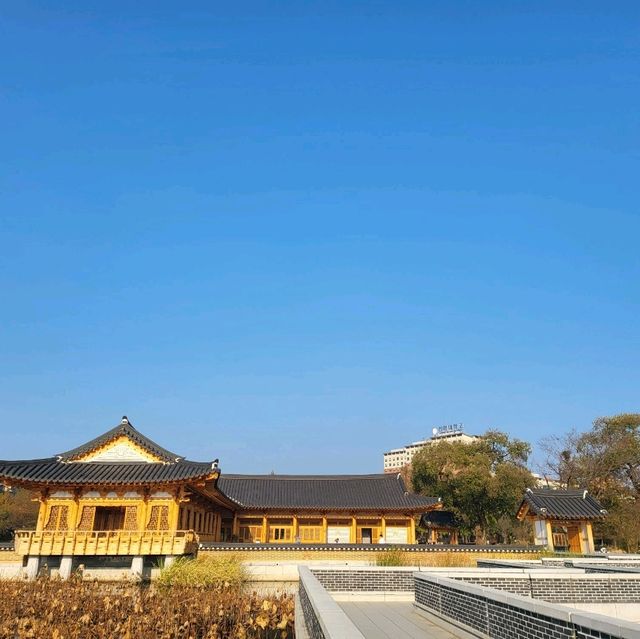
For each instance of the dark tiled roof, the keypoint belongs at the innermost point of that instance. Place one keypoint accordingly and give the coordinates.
(549, 503)
(438, 519)
(321, 492)
(124, 428)
(54, 471)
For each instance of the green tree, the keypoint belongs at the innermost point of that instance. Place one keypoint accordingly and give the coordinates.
(17, 511)
(482, 482)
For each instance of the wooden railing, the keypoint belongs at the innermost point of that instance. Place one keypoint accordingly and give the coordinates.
(105, 542)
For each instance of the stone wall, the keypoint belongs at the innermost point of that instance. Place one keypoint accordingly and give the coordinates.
(323, 618)
(364, 579)
(503, 615)
(434, 556)
(311, 621)
(559, 586)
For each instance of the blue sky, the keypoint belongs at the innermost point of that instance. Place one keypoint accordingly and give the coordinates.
(294, 235)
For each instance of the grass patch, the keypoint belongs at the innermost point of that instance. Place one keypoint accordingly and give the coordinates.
(391, 557)
(225, 571)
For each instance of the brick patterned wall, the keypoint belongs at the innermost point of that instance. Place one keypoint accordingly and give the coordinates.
(576, 589)
(515, 585)
(465, 608)
(364, 580)
(429, 594)
(584, 590)
(614, 589)
(509, 622)
(498, 619)
(311, 621)
(619, 568)
(590, 633)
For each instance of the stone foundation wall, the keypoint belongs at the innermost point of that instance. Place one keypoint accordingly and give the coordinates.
(572, 587)
(503, 615)
(365, 580)
(330, 553)
(323, 618)
(311, 621)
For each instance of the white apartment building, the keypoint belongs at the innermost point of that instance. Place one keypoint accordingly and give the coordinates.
(397, 458)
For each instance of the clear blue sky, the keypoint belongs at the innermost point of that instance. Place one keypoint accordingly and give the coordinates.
(293, 235)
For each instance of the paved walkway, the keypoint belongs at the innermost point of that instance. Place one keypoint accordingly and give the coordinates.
(391, 620)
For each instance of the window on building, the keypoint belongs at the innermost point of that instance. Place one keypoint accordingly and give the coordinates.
(109, 518)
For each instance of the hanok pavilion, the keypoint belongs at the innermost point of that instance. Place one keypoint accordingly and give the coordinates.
(562, 519)
(121, 494)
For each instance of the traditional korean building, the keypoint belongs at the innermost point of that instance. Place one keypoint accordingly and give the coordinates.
(122, 494)
(323, 508)
(562, 519)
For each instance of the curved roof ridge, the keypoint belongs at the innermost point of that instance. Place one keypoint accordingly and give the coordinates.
(309, 477)
(18, 462)
(125, 427)
(54, 471)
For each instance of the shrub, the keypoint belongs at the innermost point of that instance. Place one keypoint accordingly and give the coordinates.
(219, 572)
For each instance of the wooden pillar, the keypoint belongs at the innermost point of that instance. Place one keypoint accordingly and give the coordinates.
(265, 530)
(411, 533)
(590, 545)
(72, 517)
(218, 527)
(235, 528)
(174, 511)
(353, 533)
(143, 515)
(295, 528)
(550, 545)
(383, 529)
(42, 511)
(324, 529)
